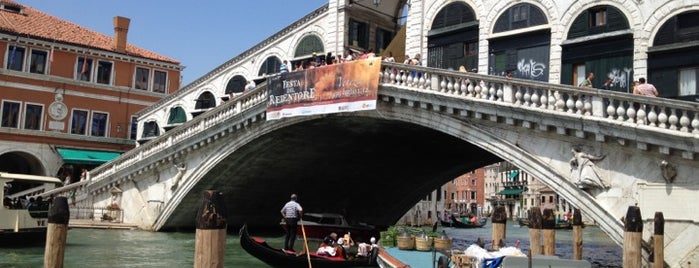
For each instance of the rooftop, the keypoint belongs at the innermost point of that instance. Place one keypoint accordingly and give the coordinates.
(27, 22)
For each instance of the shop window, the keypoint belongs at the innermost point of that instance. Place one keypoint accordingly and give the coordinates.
(37, 61)
(104, 72)
(32, 116)
(10, 114)
(84, 69)
(78, 122)
(99, 124)
(159, 81)
(15, 58)
(141, 79)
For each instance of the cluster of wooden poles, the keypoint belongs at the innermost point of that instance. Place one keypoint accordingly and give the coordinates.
(211, 224)
(543, 225)
(210, 235)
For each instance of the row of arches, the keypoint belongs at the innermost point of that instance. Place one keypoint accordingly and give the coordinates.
(600, 40)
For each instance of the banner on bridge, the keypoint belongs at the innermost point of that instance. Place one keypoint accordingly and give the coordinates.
(345, 87)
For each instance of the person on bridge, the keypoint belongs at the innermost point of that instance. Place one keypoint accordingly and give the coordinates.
(291, 212)
(645, 89)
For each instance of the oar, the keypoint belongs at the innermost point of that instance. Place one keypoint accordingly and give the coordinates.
(305, 243)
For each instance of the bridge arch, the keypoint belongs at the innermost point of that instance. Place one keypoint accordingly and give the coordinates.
(471, 136)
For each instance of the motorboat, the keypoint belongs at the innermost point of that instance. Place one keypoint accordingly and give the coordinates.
(277, 257)
(320, 225)
(23, 220)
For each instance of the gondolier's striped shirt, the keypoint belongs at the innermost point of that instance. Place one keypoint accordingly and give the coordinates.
(291, 209)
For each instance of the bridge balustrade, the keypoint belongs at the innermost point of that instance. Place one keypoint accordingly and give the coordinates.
(657, 114)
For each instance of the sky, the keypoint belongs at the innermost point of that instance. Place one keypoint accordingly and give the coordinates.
(201, 34)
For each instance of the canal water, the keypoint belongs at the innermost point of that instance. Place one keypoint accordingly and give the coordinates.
(134, 248)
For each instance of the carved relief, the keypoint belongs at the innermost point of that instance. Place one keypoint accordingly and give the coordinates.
(181, 169)
(584, 171)
(669, 171)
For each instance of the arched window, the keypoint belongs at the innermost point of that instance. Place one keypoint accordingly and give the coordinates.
(150, 129)
(270, 66)
(597, 20)
(177, 115)
(453, 14)
(309, 45)
(520, 16)
(236, 85)
(204, 101)
(453, 39)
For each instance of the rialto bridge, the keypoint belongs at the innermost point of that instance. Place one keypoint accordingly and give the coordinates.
(373, 165)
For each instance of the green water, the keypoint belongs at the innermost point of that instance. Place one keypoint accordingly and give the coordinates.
(87, 248)
(130, 248)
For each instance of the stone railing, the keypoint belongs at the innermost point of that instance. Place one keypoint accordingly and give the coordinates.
(657, 114)
(181, 133)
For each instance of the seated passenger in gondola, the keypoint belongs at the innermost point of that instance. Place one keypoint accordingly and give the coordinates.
(328, 246)
(364, 248)
(474, 219)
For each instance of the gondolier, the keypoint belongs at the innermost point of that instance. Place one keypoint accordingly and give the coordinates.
(291, 212)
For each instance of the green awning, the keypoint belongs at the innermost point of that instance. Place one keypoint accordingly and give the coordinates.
(514, 174)
(86, 157)
(511, 191)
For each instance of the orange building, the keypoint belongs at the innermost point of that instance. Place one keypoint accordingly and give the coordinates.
(465, 193)
(68, 94)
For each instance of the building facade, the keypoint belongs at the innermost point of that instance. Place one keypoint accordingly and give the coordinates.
(69, 95)
(465, 194)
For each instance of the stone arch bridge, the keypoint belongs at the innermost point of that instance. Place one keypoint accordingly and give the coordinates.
(374, 165)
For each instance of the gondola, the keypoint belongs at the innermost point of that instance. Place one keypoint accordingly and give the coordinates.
(280, 258)
(456, 223)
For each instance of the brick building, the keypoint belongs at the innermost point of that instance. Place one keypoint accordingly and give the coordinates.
(68, 94)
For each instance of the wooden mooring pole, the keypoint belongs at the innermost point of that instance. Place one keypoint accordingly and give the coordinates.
(577, 234)
(211, 231)
(549, 230)
(535, 225)
(56, 233)
(633, 226)
(659, 240)
(499, 221)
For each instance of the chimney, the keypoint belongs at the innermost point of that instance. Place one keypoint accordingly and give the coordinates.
(121, 29)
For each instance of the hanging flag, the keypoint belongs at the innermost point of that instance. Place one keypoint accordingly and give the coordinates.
(14, 49)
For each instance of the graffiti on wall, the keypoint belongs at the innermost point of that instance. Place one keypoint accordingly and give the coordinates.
(620, 77)
(530, 68)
